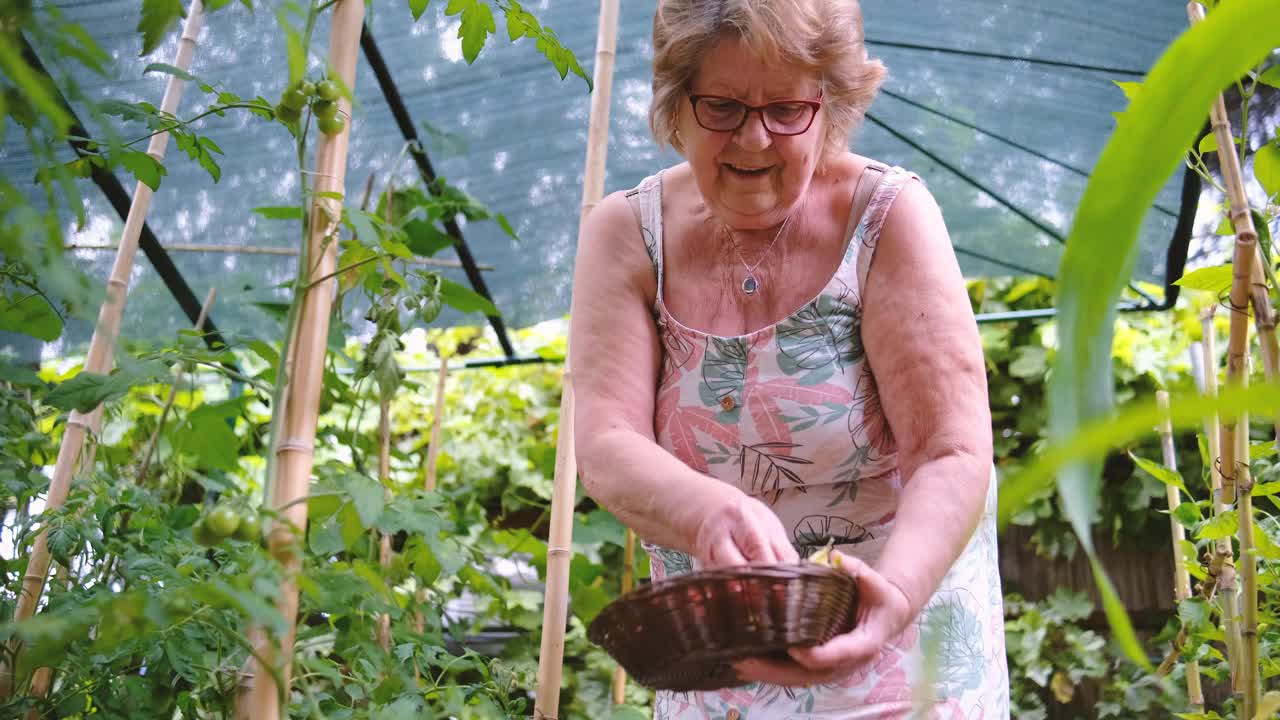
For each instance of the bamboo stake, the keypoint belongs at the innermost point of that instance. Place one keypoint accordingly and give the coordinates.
(1235, 437)
(384, 443)
(555, 610)
(628, 581)
(1264, 322)
(437, 424)
(295, 452)
(433, 454)
(1222, 566)
(101, 349)
(257, 250)
(1182, 579)
(42, 679)
(384, 476)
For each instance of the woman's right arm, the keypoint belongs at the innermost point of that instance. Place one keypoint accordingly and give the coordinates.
(614, 358)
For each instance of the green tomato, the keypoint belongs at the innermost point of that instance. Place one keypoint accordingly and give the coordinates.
(294, 98)
(250, 529)
(324, 108)
(327, 90)
(203, 534)
(288, 114)
(223, 521)
(308, 88)
(331, 124)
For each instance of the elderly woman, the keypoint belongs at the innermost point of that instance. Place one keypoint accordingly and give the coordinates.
(773, 350)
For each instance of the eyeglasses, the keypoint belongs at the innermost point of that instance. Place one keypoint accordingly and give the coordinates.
(781, 117)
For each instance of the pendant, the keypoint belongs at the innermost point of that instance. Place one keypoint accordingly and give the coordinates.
(750, 285)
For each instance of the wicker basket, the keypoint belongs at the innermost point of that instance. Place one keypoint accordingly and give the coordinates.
(682, 634)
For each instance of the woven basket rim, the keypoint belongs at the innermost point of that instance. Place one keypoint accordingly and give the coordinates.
(738, 572)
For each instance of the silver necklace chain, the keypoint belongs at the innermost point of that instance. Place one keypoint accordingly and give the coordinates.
(751, 284)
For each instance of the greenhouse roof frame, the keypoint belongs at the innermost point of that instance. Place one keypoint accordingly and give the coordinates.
(999, 62)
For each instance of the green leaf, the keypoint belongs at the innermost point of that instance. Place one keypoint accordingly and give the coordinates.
(368, 497)
(588, 601)
(1265, 489)
(1161, 473)
(477, 25)
(201, 150)
(1209, 143)
(294, 50)
(64, 542)
(424, 563)
(598, 526)
(158, 17)
(1194, 612)
(464, 299)
(144, 167)
(350, 525)
(322, 504)
(325, 539)
(23, 377)
(168, 69)
(1149, 142)
(287, 212)
(1137, 420)
(374, 578)
(505, 225)
(87, 390)
(1271, 76)
(208, 435)
(362, 225)
(35, 88)
(1215, 279)
(1266, 168)
(1262, 449)
(1030, 361)
(1188, 514)
(1268, 706)
(417, 7)
(425, 239)
(1067, 605)
(1130, 89)
(1225, 227)
(1222, 525)
(30, 315)
(1263, 545)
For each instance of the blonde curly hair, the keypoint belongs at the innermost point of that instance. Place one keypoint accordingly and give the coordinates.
(822, 36)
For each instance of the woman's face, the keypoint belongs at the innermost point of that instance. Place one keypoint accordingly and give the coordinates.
(750, 178)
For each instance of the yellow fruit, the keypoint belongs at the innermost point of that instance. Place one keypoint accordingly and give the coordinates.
(825, 558)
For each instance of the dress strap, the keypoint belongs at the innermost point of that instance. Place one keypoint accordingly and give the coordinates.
(646, 203)
(868, 231)
(870, 179)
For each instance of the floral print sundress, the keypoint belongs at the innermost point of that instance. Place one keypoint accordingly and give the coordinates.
(790, 414)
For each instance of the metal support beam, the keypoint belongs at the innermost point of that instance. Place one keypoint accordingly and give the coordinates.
(428, 174)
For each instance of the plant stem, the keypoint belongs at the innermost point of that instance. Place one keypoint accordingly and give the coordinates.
(181, 123)
(339, 271)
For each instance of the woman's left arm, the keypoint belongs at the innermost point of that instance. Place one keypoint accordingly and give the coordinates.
(923, 347)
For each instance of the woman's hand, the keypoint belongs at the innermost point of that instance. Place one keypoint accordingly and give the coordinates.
(737, 529)
(883, 613)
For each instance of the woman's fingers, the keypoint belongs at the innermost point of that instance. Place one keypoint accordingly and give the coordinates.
(725, 553)
(844, 651)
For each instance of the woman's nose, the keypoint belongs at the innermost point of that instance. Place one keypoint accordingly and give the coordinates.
(752, 135)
